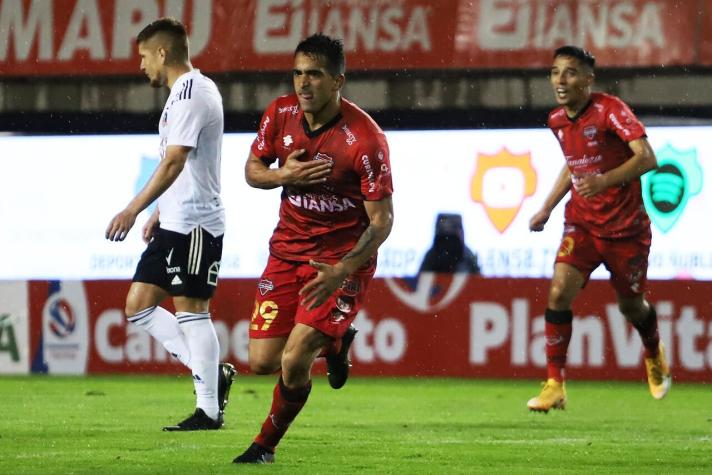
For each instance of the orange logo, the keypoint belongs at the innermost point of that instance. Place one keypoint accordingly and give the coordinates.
(501, 183)
(567, 247)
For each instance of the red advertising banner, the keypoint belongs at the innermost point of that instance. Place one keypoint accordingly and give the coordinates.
(87, 37)
(436, 325)
(620, 33)
(705, 28)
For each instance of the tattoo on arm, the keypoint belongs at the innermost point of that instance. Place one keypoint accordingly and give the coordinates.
(362, 245)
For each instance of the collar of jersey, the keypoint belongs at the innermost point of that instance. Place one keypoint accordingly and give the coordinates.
(316, 132)
(581, 112)
(183, 76)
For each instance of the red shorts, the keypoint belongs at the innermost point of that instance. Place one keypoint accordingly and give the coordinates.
(277, 302)
(626, 259)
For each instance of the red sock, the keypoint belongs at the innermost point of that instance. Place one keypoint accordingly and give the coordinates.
(648, 330)
(286, 404)
(557, 329)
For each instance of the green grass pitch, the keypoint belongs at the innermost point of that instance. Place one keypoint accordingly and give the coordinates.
(106, 425)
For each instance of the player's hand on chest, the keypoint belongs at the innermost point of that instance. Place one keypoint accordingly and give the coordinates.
(312, 162)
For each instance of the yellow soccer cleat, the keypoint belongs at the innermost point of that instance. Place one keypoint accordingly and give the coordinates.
(552, 396)
(659, 379)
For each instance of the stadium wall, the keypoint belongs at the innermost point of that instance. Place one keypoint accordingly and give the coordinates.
(432, 325)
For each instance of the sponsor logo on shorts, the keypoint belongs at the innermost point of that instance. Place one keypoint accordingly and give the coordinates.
(637, 266)
(336, 317)
(351, 286)
(176, 281)
(213, 272)
(345, 304)
(170, 255)
(566, 248)
(172, 270)
(264, 286)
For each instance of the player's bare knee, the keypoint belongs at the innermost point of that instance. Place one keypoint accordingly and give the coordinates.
(263, 363)
(295, 366)
(558, 297)
(137, 302)
(131, 308)
(289, 361)
(262, 367)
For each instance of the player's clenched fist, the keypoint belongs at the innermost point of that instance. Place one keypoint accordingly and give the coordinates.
(538, 221)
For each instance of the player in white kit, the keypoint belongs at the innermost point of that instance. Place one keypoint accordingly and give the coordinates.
(185, 232)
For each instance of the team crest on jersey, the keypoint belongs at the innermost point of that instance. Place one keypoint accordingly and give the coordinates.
(501, 183)
(287, 140)
(264, 286)
(589, 132)
(323, 156)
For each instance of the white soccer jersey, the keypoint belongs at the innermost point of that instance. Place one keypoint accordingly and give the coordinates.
(193, 117)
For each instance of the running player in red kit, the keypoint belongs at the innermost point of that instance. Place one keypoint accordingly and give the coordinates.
(606, 152)
(336, 211)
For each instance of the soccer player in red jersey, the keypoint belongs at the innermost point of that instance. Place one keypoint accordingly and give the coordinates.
(336, 211)
(606, 152)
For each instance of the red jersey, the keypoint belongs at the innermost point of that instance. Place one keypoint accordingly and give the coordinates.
(324, 221)
(593, 142)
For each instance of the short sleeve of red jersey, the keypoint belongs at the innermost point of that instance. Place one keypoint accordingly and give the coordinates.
(262, 146)
(374, 167)
(623, 122)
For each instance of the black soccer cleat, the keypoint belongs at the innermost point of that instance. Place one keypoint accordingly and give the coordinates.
(226, 375)
(337, 366)
(198, 421)
(255, 453)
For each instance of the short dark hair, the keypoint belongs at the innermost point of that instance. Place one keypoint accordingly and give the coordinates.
(174, 31)
(576, 52)
(330, 49)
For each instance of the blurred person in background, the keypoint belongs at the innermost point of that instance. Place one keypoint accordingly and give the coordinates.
(336, 211)
(185, 232)
(606, 152)
(449, 253)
